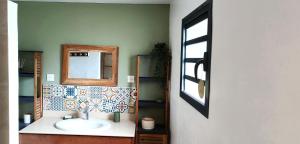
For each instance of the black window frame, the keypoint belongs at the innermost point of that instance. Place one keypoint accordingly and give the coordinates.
(203, 12)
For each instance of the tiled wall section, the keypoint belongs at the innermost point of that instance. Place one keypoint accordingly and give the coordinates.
(94, 98)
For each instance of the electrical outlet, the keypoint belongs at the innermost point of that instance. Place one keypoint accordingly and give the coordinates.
(50, 77)
(130, 79)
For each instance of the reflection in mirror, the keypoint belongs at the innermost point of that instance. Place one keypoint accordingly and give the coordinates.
(106, 66)
(90, 65)
(84, 65)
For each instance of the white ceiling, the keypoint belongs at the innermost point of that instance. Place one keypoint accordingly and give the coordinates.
(108, 1)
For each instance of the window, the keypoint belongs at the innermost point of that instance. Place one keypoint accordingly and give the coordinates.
(196, 57)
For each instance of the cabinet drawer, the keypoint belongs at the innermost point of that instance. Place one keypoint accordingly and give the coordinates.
(152, 139)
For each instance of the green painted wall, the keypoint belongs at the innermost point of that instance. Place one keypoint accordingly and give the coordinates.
(134, 28)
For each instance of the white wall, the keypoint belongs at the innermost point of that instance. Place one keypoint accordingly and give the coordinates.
(255, 78)
(9, 120)
(13, 75)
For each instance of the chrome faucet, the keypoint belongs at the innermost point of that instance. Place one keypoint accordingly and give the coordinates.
(84, 114)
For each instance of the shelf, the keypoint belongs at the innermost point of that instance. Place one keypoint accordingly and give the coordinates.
(26, 99)
(144, 55)
(151, 78)
(30, 51)
(154, 88)
(22, 124)
(26, 74)
(151, 104)
(159, 129)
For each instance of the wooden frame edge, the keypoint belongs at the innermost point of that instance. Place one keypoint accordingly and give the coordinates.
(89, 82)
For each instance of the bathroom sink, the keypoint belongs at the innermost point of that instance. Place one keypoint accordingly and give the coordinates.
(80, 124)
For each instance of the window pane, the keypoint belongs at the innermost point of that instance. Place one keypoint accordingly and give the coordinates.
(196, 50)
(189, 69)
(191, 89)
(201, 73)
(198, 30)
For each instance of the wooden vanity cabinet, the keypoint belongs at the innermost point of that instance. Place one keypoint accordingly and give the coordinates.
(152, 139)
(72, 139)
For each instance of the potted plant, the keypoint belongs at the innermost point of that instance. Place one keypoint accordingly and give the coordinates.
(161, 57)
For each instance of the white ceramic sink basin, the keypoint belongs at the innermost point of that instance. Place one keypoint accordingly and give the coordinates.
(80, 124)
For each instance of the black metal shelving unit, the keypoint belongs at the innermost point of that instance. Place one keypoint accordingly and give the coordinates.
(26, 99)
(143, 78)
(159, 129)
(26, 74)
(151, 104)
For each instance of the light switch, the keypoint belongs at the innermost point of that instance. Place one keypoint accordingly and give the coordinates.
(130, 79)
(50, 77)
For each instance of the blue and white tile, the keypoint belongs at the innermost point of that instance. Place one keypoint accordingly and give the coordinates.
(47, 103)
(95, 98)
(57, 103)
(57, 90)
(95, 104)
(70, 92)
(108, 105)
(95, 92)
(47, 90)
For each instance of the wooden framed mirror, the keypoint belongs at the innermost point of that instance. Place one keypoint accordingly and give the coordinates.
(89, 65)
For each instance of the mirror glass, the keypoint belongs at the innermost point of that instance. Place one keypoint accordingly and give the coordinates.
(90, 65)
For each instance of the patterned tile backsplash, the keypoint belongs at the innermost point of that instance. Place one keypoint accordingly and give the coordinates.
(94, 98)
